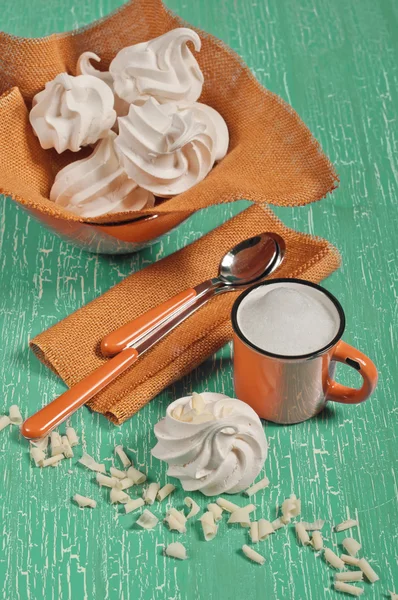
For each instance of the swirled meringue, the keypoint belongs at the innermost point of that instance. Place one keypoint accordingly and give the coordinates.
(163, 68)
(216, 445)
(72, 112)
(84, 67)
(98, 184)
(168, 149)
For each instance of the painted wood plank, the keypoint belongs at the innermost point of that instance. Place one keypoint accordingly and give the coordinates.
(335, 62)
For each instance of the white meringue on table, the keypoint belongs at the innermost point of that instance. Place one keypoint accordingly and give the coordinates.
(212, 443)
(167, 149)
(163, 68)
(72, 112)
(84, 67)
(98, 185)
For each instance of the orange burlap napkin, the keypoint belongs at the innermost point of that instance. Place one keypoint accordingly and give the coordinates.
(71, 348)
(273, 158)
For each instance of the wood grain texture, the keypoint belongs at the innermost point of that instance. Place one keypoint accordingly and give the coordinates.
(336, 63)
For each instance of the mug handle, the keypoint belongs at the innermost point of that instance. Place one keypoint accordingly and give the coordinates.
(352, 357)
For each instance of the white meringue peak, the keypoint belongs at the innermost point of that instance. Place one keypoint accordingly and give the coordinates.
(98, 185)
(216, 447)
(167, 149)
(72, 112)
(84, 67)
(163, 68)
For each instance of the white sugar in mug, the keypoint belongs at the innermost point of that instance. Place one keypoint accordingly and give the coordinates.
(284, 366)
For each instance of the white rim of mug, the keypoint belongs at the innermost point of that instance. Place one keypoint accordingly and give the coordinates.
(316, 353)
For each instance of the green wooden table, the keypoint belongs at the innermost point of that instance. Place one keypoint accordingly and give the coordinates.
(336, 63)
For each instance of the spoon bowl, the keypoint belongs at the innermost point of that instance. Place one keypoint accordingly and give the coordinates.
(251, 260)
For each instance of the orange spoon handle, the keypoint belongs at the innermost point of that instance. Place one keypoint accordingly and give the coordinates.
(116, 341)
(51, 415)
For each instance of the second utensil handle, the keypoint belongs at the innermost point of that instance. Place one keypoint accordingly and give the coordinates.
(53, 414)
(114, 342)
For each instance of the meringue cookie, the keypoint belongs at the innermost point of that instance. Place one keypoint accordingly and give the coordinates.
(168, 149)
(98, 184)
(84, 67)
(219, 448)
(163, 68)
(222, 133)
(72, 112)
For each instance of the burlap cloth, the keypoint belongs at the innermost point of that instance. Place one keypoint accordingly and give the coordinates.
(272, 156)
(71, 347)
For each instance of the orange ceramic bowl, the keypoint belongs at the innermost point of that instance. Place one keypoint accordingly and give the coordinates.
(119, 238)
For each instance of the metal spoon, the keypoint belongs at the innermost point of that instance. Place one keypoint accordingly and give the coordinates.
(247, 263)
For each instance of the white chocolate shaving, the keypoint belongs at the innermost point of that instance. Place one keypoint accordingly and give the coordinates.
(346, 525)
(349, 560)
(68, 452)
(4, 422)
(227, 505)
(315, 526)
(277, 524)
(193, 416)
(177, 412)
(150, 492)
(37, 455)
(291, 507)
(340, 586)
(367, 570)
(125, 483)
(133, 505)
(208, 525)
(242, 515)
(87, 461)
(147, 520)
(349, 576)
(302, 534)
(175, 525)
(333, 559)
(119, 496)
(15, 415)
(117, 473)
(264, 529)
(178, 514)
(260, 485)
(317, 540)
(165, 491)
(126, 462)
(83, 501)
(195, 508)
(187, 417)
(176, 550)
(56, 444)
(351, 546)
(72, 437)
(203, 418)
(136, 475)
(393, 595)
(253, 555)
(176, 520)
(254, 531)
(52, 461)
(197, 402)
(216, 510)
(111, 482)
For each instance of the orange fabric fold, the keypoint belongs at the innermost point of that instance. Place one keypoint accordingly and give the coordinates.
(71, 347)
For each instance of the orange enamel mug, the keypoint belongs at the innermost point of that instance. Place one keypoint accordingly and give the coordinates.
(291, 389)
